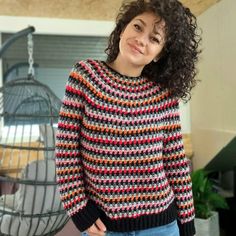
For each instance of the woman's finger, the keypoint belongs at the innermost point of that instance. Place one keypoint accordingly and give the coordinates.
(100, 225)
(95, 231)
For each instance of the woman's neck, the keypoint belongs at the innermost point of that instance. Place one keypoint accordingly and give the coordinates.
(125, 68)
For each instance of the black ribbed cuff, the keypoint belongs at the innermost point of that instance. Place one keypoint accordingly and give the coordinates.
(187, 229)
(86, 217)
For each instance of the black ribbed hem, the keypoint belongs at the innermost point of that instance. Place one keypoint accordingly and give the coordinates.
(140, 223)
(187, 229)
(86, 217)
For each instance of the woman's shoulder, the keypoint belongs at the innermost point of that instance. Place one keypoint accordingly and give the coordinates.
(85, 71)
(166, 97)
(88, 65)
(85, 68)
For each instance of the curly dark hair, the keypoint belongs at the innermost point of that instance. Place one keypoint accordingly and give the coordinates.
(176, 67)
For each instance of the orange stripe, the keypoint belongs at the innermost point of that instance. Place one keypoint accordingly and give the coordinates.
(89, 158)
(120, 131)
(67, 145)
(70, 115)
(139, 198)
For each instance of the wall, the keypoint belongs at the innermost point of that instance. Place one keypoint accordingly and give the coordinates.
(213, 109)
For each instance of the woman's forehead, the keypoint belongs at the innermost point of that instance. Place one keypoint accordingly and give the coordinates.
(156, 21)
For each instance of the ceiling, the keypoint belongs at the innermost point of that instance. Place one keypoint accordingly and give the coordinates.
(81, 9)
(199, 6)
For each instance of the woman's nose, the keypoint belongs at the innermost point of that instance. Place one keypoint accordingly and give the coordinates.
(142, 39)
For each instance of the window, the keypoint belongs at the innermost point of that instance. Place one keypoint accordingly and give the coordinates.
(54, 57)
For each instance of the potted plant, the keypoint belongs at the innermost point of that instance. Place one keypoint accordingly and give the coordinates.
(206, 202)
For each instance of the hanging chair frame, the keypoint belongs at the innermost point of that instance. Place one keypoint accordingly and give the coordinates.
(15, 113)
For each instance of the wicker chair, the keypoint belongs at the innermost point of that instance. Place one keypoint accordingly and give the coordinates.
(28, 112)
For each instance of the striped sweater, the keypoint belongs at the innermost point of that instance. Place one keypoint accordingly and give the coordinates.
(120, 154)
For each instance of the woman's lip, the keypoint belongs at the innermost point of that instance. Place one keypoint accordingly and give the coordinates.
(136, 48)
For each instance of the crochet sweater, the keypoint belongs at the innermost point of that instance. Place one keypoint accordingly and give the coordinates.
(120, 154)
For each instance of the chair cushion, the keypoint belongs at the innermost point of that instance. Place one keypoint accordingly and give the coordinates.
(36, 197)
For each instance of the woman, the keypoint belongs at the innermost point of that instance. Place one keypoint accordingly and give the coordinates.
(121, 166)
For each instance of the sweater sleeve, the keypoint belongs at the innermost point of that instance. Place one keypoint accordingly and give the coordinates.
(177, 168)
(69, 165)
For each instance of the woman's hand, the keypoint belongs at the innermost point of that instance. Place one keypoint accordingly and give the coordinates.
(97, 229)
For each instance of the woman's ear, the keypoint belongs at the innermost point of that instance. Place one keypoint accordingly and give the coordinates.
(155, 59)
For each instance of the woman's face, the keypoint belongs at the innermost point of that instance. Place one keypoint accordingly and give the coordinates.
(142, 40)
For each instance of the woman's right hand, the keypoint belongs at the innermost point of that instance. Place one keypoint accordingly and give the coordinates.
(97, 229)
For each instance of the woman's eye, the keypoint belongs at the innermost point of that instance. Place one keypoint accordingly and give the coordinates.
(137, 27)
(154, 39)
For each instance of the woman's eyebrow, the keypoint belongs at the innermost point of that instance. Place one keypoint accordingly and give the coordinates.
(155, 28)
(143, 22)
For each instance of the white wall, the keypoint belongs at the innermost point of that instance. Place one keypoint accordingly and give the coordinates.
(213, 108)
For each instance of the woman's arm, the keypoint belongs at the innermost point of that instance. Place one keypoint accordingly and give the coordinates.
(69, 165)
(177, 167)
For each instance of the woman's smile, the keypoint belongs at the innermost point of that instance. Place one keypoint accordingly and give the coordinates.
(135, 48)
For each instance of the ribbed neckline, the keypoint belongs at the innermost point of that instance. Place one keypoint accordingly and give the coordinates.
(119, 75)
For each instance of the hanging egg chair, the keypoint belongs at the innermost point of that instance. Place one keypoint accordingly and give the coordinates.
(29, 200)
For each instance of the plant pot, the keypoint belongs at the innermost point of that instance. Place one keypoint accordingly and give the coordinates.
(208, 227)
